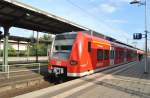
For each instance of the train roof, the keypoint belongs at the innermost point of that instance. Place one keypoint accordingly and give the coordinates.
(99, 35)
(112, 39)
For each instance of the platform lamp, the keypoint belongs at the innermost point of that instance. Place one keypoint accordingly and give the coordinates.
(139, 2)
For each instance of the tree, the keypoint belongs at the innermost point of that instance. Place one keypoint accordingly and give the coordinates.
(42, 47)
(11, 50)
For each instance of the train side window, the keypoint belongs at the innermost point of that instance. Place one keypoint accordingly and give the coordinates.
(112, 54)
(106, 54)
(89, 46)
(66, 47)
(99, 54)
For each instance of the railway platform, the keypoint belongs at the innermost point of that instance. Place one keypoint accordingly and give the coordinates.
(126, 81)
(14, 60)
(20, 77)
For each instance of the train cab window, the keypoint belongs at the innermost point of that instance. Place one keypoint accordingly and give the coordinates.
(89, 46)
(66, 47)
(106, 54)
(99, 54)
(63, 47)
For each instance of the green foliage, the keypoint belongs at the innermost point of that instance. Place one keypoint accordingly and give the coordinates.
(11, 51)
(41, 48)
(45, 37)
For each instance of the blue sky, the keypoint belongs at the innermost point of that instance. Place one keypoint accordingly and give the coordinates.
(116, 18)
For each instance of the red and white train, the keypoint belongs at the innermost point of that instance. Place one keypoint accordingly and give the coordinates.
(77, 54)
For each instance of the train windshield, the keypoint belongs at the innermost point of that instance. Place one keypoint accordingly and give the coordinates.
(61, 55)
(63, 45)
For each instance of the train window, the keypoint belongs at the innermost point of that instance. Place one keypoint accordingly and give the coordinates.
(89, 46)
(106, 54)
(112, 54)
(66, 47)
(65, 36)
(57, 47)
(99, 54)
(61, 55)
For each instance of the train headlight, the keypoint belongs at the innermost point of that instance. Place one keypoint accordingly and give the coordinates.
(73, 62)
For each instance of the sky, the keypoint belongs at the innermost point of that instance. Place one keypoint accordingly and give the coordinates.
(115, 18)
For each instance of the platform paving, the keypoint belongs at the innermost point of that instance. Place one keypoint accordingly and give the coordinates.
(129, 82)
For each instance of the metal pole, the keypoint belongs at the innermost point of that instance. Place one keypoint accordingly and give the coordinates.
(8, 72)
(18, 49)
(28, 51)
(0, 48)
(32, 43)
(37, 44)
(5, 49)
(52, 47)
(39, 68)
(146, 65)
(0, 45)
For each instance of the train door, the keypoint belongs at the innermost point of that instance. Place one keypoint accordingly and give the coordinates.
(112, 55)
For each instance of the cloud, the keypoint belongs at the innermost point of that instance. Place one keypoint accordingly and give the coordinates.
(108, 8)
(104, 8)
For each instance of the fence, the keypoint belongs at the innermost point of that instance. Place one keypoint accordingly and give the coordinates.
(18, 68)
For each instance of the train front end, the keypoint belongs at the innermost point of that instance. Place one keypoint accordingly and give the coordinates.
(60, 53)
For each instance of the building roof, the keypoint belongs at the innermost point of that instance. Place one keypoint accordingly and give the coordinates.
(24, 39)
(21, 15)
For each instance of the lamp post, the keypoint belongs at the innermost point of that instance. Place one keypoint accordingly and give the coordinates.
(146, 31)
